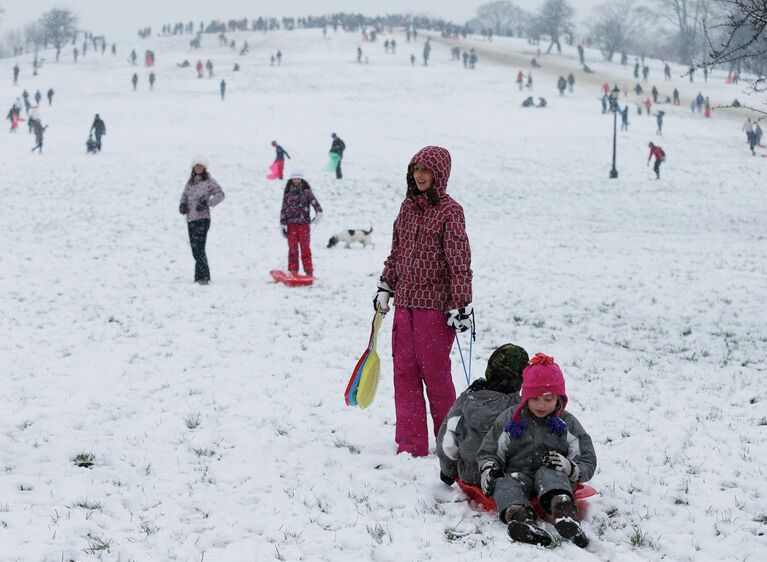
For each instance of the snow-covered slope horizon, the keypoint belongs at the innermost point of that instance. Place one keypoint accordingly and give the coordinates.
(215, 414)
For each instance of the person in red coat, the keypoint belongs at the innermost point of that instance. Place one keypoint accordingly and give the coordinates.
(660, 157)
(428, 272)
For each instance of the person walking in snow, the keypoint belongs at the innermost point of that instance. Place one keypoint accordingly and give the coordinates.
(151, 80)
(428, 272)
(39, 132)
(99, 129)
(474, 412)
(758, 133)
(279, 57)
(561, 85)
(295, 221)
(529, 84)
(413, 59)
(50, 96)
(537, 448)
(15, 74)
(222, 87)
(14, 117)
(748, 128)
(133, 57)
(201, 192)
(279, 159)
(199, 68)
(700, 101)
(647, 105)
(571, 82)
(654, 93)
(209, 68)
(38, 97)
(580, 54)
(675, 97)
(337, 147)
(659, 121)
(520, 80)
(134, 81)
(667, 72)
(359, 55)
(660, 157)
(625, 118)
(426, 52)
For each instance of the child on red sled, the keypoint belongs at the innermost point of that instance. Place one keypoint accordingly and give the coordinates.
(537, 449)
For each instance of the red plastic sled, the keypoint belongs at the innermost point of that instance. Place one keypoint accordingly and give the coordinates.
(582, 491)
(291, 280)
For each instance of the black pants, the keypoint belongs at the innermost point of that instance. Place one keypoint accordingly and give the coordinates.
(198, 234)
(658, 162)
(339, 175)
(98, 141)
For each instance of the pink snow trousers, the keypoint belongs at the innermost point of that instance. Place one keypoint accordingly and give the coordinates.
(421, 342)
(299, 236)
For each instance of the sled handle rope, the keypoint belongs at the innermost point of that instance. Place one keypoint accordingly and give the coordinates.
(467, 373)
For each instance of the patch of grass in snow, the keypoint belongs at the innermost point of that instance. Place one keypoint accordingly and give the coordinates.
(379, 532)
(83, 459)
(639, 538)
(344, 444)
(202, 452)
(97, 546)
(89, 505)
(148, 528)
(192, 421)
(762, 518)
(24, 424)
(762, 421)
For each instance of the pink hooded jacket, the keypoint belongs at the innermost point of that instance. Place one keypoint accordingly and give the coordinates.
(430, 261)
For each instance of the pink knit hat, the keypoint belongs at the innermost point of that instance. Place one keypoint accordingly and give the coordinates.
(541, 377)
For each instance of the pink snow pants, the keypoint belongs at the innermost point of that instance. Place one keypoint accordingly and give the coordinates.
(299, 236)
(421, 342)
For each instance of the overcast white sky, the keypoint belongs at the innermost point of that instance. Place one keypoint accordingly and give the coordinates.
(119, 19)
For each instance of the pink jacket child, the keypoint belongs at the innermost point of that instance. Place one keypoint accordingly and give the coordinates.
(295, 221)
(428, 272)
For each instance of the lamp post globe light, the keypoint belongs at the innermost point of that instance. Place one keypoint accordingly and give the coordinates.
(614, 105)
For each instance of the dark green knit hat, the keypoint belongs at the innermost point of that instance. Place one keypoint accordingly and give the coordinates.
(504, 368)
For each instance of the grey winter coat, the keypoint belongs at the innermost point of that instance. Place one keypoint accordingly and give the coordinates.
(465, 426)
(526, 453)
(196, 190)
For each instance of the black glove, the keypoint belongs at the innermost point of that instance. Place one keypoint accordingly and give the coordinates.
(490, 473)
(461, 318)
(449, 480)
(381, 299)
(202, 204)
(183, 209)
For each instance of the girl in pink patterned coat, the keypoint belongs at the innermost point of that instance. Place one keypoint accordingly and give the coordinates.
(429, 275)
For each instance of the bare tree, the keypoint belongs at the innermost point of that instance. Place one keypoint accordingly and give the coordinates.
(687, 17)
(555, 19)
(615, 26)
(58, 26)
(739, 40)
(500, 16)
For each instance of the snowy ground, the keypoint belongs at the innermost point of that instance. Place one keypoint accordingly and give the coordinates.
(215, 414)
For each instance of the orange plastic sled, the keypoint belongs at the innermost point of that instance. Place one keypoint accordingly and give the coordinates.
(582, 491)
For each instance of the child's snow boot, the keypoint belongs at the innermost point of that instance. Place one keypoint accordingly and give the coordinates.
(565, 514)
(522, 527)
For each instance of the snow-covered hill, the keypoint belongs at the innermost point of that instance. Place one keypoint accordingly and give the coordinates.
(215, 414)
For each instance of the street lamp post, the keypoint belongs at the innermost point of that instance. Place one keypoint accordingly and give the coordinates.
(614, 102)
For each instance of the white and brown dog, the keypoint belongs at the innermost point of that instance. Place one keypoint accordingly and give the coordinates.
(349, 237)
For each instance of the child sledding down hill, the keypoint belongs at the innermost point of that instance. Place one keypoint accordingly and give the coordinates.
(538, 449)
(474, 412)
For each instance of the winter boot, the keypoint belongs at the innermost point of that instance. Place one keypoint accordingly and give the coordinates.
(522, 527)
(565, 514)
